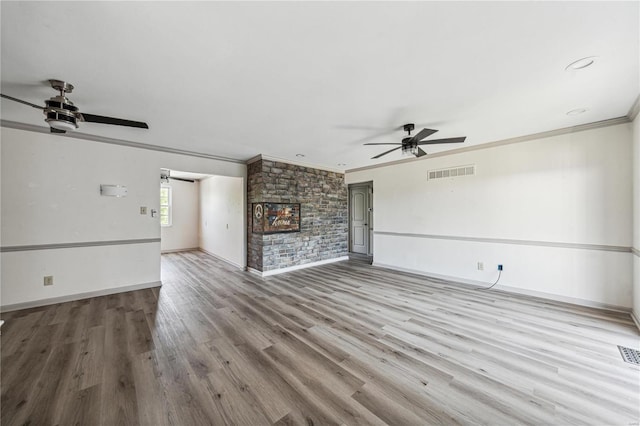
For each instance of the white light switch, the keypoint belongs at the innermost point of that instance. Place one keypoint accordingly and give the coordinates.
(143, 210)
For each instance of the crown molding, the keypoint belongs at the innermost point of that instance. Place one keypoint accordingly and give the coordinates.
(519, 139)
(254, 159)
(85, 136)
(634, 110)
(633, 113)
(296, 163)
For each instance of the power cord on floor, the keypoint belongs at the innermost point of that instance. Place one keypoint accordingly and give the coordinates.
(489, 288)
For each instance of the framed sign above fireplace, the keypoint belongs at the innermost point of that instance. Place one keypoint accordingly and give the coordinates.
(273, 218)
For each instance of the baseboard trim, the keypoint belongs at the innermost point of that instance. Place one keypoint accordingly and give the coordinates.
(635, 319)
(453, 280)
(254, 271)
(179, 250)
(565, 299)
(509, 289)
(78, 296)
(237, 265)
(296, 267)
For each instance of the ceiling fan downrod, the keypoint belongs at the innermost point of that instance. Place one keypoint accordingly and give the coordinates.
(408, 128)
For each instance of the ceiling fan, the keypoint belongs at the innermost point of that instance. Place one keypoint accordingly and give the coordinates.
(411, 144)
(63, 116)
(165, 175)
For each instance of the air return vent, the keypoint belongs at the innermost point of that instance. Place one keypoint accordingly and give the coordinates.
(452, 172)
(632, 356)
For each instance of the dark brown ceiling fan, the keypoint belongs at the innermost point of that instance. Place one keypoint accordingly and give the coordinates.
(62, 115)
(165, 175)
(411, 144)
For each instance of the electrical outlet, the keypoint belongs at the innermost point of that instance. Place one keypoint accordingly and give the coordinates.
(48, 280)
(480, 266)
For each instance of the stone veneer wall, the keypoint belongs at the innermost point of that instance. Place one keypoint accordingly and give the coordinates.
(324, 225)
(255, 188)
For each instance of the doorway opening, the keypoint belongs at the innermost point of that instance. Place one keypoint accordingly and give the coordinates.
(361, 221)
(203, 212)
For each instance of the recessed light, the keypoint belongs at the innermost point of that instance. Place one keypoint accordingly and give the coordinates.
(581, 63)
(577, 111)
(300, 155)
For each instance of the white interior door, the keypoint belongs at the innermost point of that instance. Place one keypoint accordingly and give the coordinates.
(359, 203)
(370, 217)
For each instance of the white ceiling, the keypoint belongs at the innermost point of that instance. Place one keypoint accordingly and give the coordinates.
(240, 79)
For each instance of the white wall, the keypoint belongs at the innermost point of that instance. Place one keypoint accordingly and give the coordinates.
(185, 210)
(636, 217)
(50, 195)
(221, 218)
(575, 188)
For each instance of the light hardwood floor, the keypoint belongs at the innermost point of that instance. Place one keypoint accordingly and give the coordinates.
(344, 343)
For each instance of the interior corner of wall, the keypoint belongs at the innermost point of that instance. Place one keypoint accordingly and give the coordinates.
(636, 320)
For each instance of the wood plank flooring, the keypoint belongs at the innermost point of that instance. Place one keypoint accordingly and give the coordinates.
(344, 343)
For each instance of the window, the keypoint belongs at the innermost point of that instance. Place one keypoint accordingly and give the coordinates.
(165, 206)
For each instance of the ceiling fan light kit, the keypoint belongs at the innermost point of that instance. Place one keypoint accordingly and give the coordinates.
(55, 122)
(63, 116)
(410, 150)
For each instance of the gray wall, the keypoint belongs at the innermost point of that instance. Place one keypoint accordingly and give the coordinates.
(324, 215)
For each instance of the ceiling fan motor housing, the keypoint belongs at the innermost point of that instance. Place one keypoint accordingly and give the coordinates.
(58, 109)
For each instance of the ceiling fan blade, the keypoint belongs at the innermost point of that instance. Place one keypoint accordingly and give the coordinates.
(91, 118)
(447, 140)
(57, 130)
(11, 98)
(423, 134)
(182, 179)
(383, 143)
(385, 153)
(420, 153)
